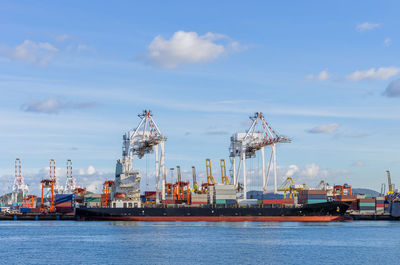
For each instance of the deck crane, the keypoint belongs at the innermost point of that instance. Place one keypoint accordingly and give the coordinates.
(195, 185)
(19, 184)
(245, 145)
(390, 185)
(225, 179)
(70, 184)
(145, 139)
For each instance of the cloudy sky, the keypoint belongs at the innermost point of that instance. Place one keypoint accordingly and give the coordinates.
(74, 77)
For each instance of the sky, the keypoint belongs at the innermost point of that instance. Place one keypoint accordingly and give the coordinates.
(74, 77)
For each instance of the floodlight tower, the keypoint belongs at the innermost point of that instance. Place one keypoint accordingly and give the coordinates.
(244, 145)
(145, 139)
(19, 184)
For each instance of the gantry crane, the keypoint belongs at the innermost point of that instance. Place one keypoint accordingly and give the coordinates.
(70, 184)
(210, 178)
(195, 185)
(48, 184)
(224, 177)
(290, 188)
(245, 145)
(390, 185)
(106, 196)
(19, 184)
(181, 188)
(145, 139)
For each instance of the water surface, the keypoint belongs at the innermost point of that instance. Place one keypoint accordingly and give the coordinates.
(69, 242)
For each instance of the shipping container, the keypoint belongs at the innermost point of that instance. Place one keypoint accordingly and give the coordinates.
(312, 201)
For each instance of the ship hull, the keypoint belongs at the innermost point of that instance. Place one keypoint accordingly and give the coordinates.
(322, 212)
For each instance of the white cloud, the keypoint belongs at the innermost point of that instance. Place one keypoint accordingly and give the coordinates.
(323, 75)
(358, 164)
(189, 47)
(54, 106)
(39, 53)
(367, 26)
(382, 73)
(387, 42)
(62, 37)
(326, 128)
(393, 89)
(82, 47)
(309, 173)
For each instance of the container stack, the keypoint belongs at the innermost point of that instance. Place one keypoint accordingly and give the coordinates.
(366, 205)
(222, 194)
(247, 202)
(199, 199)
(348, 198)
(150, 197)
(92, 200)
(273, 203)
(64, 203)
(312, 196)
(380, 205)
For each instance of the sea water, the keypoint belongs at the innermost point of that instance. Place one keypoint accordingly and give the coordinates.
(70, 242)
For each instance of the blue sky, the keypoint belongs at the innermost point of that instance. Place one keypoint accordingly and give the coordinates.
(74, 77)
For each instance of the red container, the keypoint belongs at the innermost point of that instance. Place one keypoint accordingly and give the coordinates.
(64, 204)
(35, 210)
(199, 202)
(272, 201)
(288, 201)
(380, 205)
(367, 200)
(149, 193)
(312, 192)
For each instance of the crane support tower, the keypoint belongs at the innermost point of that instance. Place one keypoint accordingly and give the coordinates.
(224, 177)
(70, 184)
(145, 139)
(19, 184)
(245, 144)
(210, 178)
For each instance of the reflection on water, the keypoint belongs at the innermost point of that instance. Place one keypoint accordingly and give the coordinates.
(69, 242)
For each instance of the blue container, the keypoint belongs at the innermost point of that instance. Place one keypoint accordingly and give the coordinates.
(25, 210)
(230, 201)
(64, 198)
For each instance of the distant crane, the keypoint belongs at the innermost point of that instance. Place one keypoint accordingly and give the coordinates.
(210, 178)
(70, 184)
(390, 185)
(57, 189)
(19, 184)
(195, 185)
(145, 139)
(245, 145)
(224, 177)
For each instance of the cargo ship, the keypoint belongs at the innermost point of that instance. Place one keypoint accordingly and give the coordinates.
(320, 212)
(210, 201)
